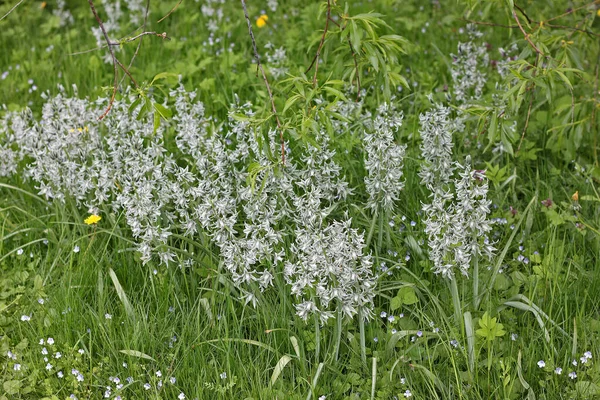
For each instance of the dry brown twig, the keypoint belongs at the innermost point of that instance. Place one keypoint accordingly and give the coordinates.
(264, 76)
(527, 34)
(315, 61)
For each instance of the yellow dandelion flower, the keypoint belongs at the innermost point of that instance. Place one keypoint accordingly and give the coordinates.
(43, 5)
(575, 196)
(92, 219)
(262, 20)
(598, 12)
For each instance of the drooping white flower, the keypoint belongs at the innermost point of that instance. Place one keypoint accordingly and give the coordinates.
(384, 159)
(468, 67)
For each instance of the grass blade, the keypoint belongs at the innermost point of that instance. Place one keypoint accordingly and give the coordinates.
(470, 331)
(4, 185)
(247, 341)
(505, 250)
(122, 296)
(373, 377)
(283, 361)
(138, 354)
(295, 345)
(315, 380)
(206, 306)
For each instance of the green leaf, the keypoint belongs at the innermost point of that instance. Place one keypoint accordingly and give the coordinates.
(587, 389)
(38, 283)
(338, 94)
(408, 295)
(12, 387)
(502, 282)
(163, 75)
(164, 112)
(396, 303)
(489, 328)
(135, 104)
(564, 78)
(290, 102)
(156, 122)
(355, 36)
(554, 217)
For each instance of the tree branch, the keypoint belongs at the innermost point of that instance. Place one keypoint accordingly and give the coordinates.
(526, 35)
(315, 60)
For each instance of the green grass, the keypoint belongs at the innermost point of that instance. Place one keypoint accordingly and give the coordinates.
(188, 322)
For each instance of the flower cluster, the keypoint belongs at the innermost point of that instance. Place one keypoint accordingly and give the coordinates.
(467, 75)
(436, 147)
(384, 159)
(218, 180)
(456, 219)
(331, 272)
(276, 61)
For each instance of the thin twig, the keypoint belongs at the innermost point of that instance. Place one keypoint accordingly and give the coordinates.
(526, 34)
(315, 60)
(524, 14)
(170, 12)
(120, 42)
(356, 67)
(112, 54)
(139, 36)
(126, 72)
(259, 66)
(573, 10)
(543, 23)
(540, 23)
(88, 51)
(137, 49)
(531, 90)
(574, 29)
(11, 10)
(526, 122)
(490, 24)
